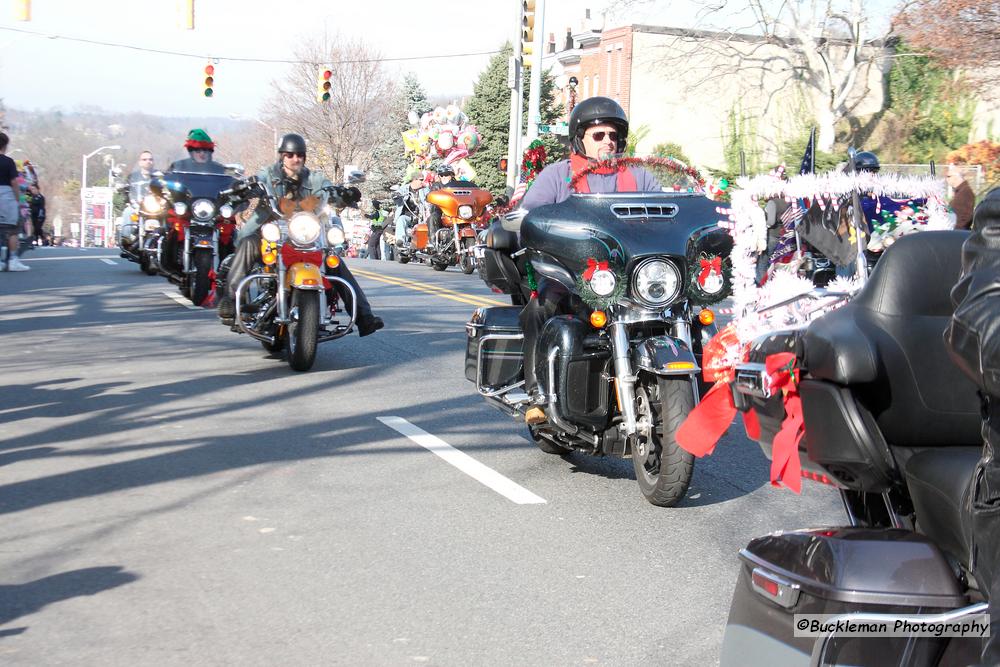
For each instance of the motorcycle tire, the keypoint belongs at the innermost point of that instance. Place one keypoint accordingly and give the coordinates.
(438, 266)
(201, 283)
(403, 259)
(303, 330)
(665, 472)
(467, 261)
(277, 346)
(145, 266)
(547, 445)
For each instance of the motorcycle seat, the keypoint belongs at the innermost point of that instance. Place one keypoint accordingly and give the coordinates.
(939, 480)
(887, 346)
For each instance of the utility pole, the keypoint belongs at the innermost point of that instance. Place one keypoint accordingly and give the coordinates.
(514, 82)
(537, 49)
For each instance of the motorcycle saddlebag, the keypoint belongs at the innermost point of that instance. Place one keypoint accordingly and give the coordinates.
(838, 571)
(502, 358)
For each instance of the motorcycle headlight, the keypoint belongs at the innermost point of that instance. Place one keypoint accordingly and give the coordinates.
(335, 236)
(656, 282)
(180, 208)
(465, 211)
(303, 228)
(226, 211)
(603, 282)
(151, 204)
(271, 232)
(151, 225)
(202, 210)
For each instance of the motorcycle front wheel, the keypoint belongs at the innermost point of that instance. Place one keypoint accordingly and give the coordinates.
(662, 468)
(201, 283)
(467, 261)
(303, 330)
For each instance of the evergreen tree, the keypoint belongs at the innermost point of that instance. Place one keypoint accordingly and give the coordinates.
(489, 110)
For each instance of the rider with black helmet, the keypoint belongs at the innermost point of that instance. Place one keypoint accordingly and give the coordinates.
(598, 128)
(290, 179)
(445, 178)
(866, 161)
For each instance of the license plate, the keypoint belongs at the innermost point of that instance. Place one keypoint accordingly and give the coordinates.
(479, 251)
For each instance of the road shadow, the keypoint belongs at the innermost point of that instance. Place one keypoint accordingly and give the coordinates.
(17, 600)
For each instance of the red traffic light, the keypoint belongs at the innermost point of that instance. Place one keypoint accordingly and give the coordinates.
(327, 74)
(503, 164)
(209, 70)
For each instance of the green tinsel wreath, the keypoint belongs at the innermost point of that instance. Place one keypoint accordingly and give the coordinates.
(696, 293)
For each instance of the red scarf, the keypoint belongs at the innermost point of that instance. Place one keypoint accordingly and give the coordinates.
(578, 163)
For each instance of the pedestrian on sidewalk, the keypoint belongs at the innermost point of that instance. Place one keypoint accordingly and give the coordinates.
(36, 206)
(10, 208)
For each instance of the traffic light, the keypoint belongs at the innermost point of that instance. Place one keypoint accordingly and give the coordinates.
(323, 85)
(527, 31)
(22, 10)
(209, 80)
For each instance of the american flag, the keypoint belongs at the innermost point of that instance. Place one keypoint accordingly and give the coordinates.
(809, 158)
(518, 192)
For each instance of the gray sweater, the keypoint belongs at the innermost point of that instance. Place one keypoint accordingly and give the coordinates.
(551, 186)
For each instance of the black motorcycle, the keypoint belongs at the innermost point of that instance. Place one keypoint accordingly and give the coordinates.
(143, 224)
(895, 426)
(621, 373)
(200, 229)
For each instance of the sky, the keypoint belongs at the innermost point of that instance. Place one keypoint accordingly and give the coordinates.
(44, 72)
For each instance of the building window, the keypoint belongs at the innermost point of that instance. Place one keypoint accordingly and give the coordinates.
(597, 84)
(586, 87)
(608, 80)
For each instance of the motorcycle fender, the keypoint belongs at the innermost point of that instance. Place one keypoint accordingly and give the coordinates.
(466, 232)
(664, 355)
(304, 276)
(200, 239)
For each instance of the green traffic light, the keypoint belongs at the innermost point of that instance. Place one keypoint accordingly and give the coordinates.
(208, 92)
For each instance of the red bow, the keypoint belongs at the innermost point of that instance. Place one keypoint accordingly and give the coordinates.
(592, 266)
(708, 266)
(785, 464)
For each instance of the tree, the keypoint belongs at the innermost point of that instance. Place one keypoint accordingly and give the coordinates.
(828, 48)
(359, 115)
(960, 33)
(489, 110)
(389, 161)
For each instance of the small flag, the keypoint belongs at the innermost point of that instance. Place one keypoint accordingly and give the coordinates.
(809, 158)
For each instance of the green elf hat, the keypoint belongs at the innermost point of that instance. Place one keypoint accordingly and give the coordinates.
(198, 138)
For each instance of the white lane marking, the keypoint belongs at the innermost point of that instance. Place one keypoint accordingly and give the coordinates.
(109, 261)
(51, 259)
(181, 300)
(470, 466)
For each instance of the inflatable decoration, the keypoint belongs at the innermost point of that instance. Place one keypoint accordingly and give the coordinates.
(441, 136)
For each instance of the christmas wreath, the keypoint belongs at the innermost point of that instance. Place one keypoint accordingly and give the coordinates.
(710, 279)
(605, 273)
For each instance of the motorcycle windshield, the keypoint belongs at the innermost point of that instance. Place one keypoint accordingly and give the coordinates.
(620, 228)
(201, 186)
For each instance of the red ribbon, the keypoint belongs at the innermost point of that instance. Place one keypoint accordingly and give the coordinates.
(708, 266)
(785, 465)
(593, 266)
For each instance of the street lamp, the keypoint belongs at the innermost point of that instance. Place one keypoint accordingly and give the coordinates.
(83, 189)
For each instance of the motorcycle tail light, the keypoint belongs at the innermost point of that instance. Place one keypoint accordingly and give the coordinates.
(333, 261)
(598, 319)
(706, 316)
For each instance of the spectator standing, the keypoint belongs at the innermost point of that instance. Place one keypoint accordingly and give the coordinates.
(36, 207)
(10, 208)
(963, 201)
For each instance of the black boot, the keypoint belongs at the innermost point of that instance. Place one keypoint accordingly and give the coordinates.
(369, 325)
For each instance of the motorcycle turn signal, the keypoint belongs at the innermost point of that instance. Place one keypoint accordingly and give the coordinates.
(706, 316)
(598, 319)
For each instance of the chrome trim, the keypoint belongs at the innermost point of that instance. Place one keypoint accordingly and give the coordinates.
(342, 329)
(896, 520)
(623, 372)
(639, 211)
(818, 656)
(238, 297)
(752, 379)
(479, 365)
(847, 508)
(788, 593)
(659, 305)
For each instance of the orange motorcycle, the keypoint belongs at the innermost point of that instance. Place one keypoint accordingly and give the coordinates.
(456, 238)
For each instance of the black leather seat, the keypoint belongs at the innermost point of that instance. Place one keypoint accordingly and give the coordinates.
(887, 346)
(938, 480)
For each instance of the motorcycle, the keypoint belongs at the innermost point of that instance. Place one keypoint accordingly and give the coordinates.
(283, 302)
(199, 232)
(621, 374)
(142, 226)
(454, 242)
(408, 213)
(894, 426)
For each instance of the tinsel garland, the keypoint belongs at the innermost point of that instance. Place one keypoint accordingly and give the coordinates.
(617, 163)
(746, 222)
(533, 161)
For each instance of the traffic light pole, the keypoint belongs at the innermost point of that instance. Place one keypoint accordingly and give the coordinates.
(535, 93)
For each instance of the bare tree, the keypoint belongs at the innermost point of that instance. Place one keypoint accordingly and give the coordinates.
(358, 117)
(829, 49)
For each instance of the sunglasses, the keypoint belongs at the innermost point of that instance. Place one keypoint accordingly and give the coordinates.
(301, 155)
(599, 136)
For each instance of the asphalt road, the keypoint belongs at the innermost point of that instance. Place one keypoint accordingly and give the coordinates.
(171, 495)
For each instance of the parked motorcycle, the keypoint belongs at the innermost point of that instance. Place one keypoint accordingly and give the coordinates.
(200, 230)
(895, 427)
(621, 374)
(455, 239)
(284, 301)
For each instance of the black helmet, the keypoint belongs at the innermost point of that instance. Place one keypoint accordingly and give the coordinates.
(597, 111)
(866, 161)
(292, 143)
(444, 170)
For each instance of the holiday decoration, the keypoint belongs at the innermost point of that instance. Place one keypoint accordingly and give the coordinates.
(601, 285)
(621, 163)
(710, 280)
(533, 161)
(442, 134)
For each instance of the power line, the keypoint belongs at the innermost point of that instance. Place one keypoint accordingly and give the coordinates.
(203, 56)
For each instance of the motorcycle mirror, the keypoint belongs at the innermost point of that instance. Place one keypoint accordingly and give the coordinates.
(356, 176)
(235, 169)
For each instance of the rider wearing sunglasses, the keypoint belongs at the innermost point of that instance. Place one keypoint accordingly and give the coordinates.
(200, 148)
(599, 129)
(291, 180)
